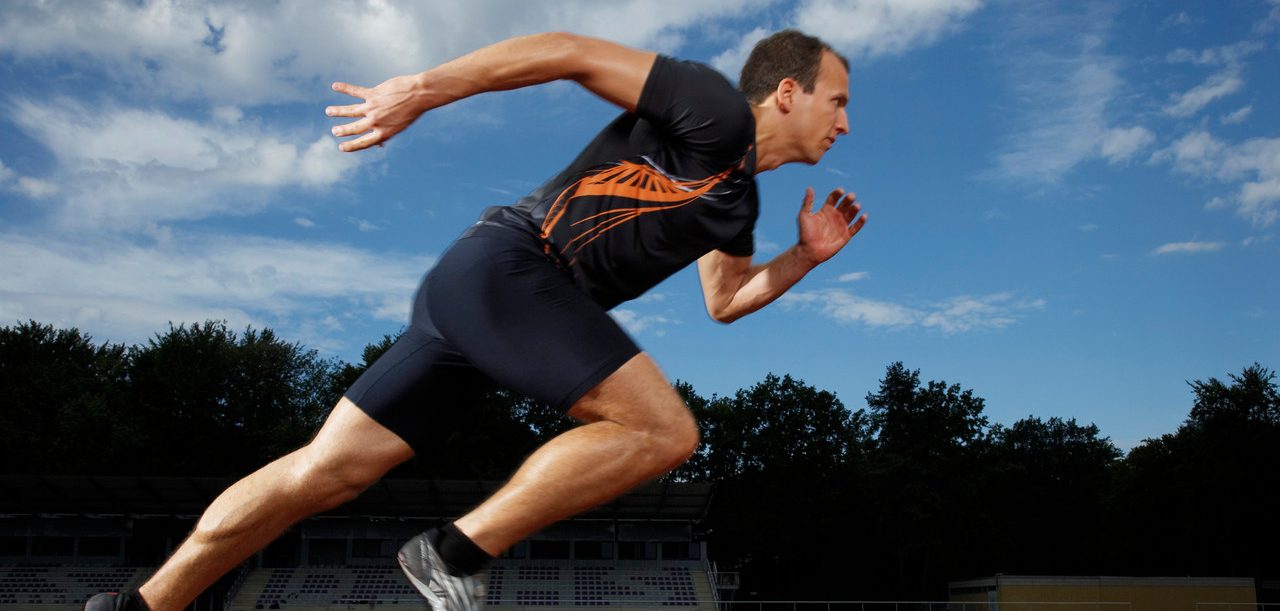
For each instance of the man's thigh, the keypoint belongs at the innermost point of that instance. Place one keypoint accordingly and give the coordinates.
(511, 313)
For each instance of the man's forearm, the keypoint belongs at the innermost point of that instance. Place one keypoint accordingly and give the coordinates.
(765, 283)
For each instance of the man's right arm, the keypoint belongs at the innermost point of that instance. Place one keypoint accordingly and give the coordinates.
(611, 71)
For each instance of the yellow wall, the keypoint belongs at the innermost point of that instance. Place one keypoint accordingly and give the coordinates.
(1142, 594)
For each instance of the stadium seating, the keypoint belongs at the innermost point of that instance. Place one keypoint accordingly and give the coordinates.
(51, 588)
(512, 584)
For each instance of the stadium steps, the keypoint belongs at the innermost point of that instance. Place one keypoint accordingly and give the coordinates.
(60, 588)
(618, 585)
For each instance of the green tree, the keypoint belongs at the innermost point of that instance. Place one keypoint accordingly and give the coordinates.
(1048, 483)
(930, 447)
(1202, 500)
(206, 401)
(59, 400)
(778, 452)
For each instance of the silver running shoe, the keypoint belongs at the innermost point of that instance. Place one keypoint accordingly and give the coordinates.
(443, 591)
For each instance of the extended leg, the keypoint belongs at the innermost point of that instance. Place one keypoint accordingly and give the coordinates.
(350, 453)
(637, 428)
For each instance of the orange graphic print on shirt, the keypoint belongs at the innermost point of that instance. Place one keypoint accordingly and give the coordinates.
(624, 180)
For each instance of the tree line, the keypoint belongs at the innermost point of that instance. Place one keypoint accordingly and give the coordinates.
(813, 500)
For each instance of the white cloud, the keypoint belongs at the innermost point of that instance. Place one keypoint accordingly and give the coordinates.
(1253, 165)
(36, 188)
(730, 62)
(1063, 84)
(267, 53)
(125, 168)
(1196, 153)
(230, 115)
(363, 225)
(126, 290)
(853, 276)
(873, 28)
(1188, 248)
(635, 322)
(862, 28)
(304, 222)
(31, 187)
(1217, 56)
(951, 316)
(1220, 85)
(1238, 116)
(1119, 145)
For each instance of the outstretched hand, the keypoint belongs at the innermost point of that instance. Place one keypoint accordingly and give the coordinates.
(387, 110)
(824, 233)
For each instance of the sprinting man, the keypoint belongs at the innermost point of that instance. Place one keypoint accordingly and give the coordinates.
(521, 298)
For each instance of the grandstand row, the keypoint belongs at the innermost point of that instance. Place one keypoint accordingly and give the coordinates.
(60, 543)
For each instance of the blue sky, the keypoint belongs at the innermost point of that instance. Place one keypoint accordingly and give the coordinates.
(1073, 205)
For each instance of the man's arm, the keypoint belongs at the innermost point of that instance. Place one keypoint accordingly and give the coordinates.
(732, 287)
(611, 71)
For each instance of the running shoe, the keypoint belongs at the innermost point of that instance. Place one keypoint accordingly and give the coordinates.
(115, 601)
(429, 575)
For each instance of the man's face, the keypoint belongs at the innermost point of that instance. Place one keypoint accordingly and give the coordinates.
(821, 115)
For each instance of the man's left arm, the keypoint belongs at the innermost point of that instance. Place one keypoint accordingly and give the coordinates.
(732, 287)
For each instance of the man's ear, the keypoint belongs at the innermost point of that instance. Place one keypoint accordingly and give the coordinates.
(785, 94)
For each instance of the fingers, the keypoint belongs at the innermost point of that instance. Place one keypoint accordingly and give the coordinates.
(354, 91)
(354, 110)
(351, 129)
(857, 226)
(363, 142)
(806, 206)
(355, 127)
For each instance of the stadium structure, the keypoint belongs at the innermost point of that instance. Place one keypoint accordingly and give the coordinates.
(63, 539)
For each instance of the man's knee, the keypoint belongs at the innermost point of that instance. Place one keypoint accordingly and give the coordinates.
(350, 453)
(639, 398)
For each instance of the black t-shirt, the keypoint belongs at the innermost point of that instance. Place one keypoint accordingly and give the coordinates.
(655, 190)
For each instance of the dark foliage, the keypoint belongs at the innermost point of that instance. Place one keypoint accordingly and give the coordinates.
(812, 500)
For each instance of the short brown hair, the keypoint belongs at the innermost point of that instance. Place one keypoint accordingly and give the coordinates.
(785, 54)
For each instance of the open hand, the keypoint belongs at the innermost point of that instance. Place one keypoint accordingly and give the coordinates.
(824, 233)
(386, 111)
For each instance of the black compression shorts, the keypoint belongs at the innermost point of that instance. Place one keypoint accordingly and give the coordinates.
(495, 308)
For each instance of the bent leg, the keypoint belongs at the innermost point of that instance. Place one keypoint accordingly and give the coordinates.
(637, 428)
(349, 454)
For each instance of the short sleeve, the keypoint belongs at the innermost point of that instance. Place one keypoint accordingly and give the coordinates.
(697, 106)
(741, 245)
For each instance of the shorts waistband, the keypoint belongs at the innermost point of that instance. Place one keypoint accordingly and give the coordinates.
(483, 227)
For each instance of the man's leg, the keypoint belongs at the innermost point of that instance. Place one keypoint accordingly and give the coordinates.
(637, 428)
(349, 454)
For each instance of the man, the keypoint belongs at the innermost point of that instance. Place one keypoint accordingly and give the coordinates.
(522, 297)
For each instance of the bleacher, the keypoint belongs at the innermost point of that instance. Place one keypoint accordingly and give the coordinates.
(512, 584)
(58, 588)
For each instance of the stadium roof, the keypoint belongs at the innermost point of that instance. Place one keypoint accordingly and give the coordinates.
(188, 496)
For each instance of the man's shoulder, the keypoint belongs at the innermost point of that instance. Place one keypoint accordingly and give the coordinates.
(698, 106)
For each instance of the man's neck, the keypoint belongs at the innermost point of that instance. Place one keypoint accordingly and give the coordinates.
(769, 154)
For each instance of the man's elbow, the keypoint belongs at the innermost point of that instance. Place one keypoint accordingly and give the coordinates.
(723, 315)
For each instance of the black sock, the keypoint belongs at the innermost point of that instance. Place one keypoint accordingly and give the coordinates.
(460, 553)
(130, 600)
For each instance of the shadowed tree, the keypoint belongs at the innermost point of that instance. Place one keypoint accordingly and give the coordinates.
(778, 452)
(210, 402)
(929, 453)
(1047, 486)
(1203, 500)
(58, 400)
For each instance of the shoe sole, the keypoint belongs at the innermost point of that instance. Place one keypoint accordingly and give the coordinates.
(421, 587)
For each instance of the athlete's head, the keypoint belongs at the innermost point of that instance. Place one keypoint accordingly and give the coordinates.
(808, 82)
(785, 54)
